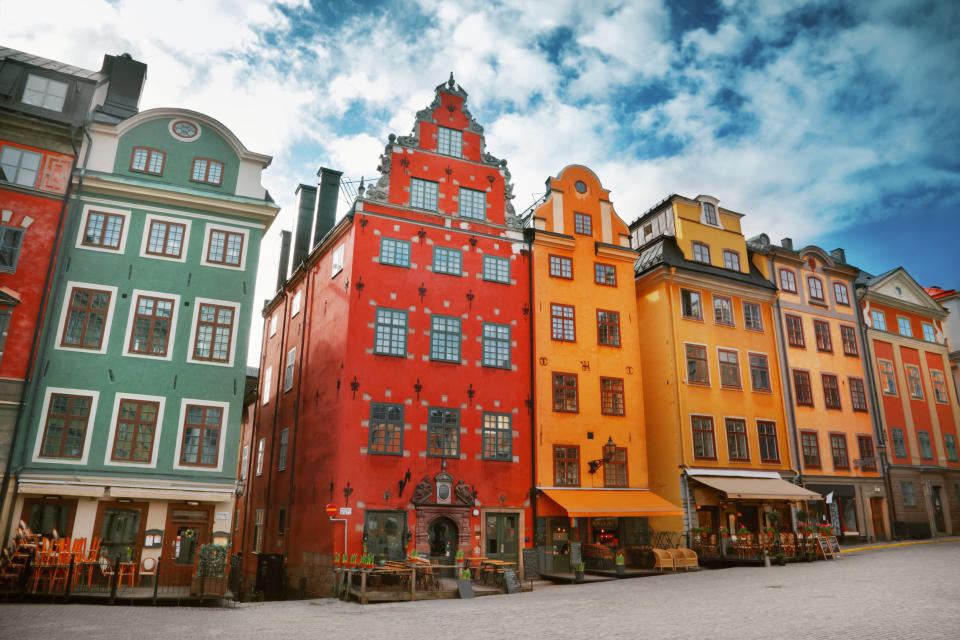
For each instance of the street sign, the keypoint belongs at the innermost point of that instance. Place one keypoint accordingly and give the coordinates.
(346, 511)
(331, 510)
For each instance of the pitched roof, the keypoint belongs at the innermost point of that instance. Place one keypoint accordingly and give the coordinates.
(51, 65)
(664, 251)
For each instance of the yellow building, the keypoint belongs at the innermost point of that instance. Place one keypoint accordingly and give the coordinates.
(827, 389)
(716, 425)
(590, 446)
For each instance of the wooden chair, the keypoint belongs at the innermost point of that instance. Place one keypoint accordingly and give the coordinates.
(148, 568)
(41, 571)
(128, 573)
(61, 571)
(106, 569)
(788, 544)
(663, 560)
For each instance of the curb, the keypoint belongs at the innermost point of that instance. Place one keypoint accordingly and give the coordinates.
(898, 544)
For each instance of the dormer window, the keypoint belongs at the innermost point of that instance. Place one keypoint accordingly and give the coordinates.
(731, 260)
(701, 252)
(45, 93)
(709, 213)
(450, 142)
(207, 171)
(147, 160)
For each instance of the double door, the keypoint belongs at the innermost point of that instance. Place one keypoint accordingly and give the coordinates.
(502, 534)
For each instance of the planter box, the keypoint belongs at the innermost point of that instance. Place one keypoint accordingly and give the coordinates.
(208, 587)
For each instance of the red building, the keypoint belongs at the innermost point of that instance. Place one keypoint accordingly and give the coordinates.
(395, 371)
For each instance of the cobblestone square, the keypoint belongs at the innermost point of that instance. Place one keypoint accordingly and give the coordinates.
(904, 592)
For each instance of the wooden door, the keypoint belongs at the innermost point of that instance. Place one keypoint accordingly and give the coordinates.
(188, 527)
(876, 514)
(502, 536)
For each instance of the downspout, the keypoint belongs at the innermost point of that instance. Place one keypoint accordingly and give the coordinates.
(534, 457)
(37, 328)
(787, 391)
(684, 482)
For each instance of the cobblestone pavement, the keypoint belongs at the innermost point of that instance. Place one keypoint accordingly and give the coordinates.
(904, 592)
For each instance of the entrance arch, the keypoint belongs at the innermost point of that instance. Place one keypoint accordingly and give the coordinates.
(442, 536)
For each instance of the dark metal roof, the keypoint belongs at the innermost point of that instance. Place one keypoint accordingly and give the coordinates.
(51, 65)
(664, 251)
(652, 209)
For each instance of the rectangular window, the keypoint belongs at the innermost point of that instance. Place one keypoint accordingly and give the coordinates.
(394, 252)
(608, 328)
(709, 213)
(390, 332)
(424, 194)
(838, 447)
(267, 385)
(769, 451)
(146, 160)
(722, 310)
(950, 444)
(909, 497)
(928, 333)
(831, 391)
(605, 274)
(336, 261)
(698, 371)
(867, 460)
(496, 269)
(386, 429)
(913, 382)
(582, 224)
(289, 369)
(841, 294)
(849, 338)
(759, 372)
(926, 449)
(282, 453)
(44, 92)
(737, 440)
(244, 462)
(821, 330)
(704, 445)
(497, 436)
(690, 304)
(86, 318)
(11, 238)
(261, 450)
(151, 326)
(888, 381)
(565, 392)
(701, 252)
(879, 320)
(802, 387)
(795, 331)
(166, 238)
(258, 524)
(281, 520)
(443, 433)
(5, 316)
(903, 326)
(815, 288)
(729, 368)
(225, 248)
(566, 465)
(450, 142)
(858, 395)
(788, 280)
(752, 319)
(473, 204)
(207, 171)
(496, 345)
(66, 427)
(447, 261)
(731, 260)
(611, 396)
(214, 333)
(295, 304)
(562, 323)
(561, 267)
(201, 436)
(811, 449)
(20, 166)
(445, 338)
(899, 442)
(939, 385)
(615, 470)
(103, 230)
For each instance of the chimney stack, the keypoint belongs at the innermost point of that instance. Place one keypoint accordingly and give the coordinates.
(325, 214)
(284, 259)
(787, 243)
(839, 255)
(306, 199)
(125, 85)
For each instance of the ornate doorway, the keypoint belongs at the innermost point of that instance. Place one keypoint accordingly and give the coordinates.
(442, 535)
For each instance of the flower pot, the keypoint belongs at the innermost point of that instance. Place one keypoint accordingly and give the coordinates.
(578, 576)
(621, 570)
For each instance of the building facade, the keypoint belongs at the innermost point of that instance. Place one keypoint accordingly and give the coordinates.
(827, 387)
(910, 367)
(590, 445)
(151, 300)
(717, 426)
(949, 299)
(395, 371)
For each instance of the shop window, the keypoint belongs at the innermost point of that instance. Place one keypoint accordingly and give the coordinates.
(690, 304)
(386, 429)
(566, 465)
(46, 515)
(909, 495)
(849, 338)
(497, 436)
(769, 450)
(737, 440)
(443, 432)
(394, 252)
(611, 396)
(759, 372)
(562, 323)
(561, 267)
(822, 331)
(565, 393)
(608, 328)
(615, 470)
(119, 531)
(838, 447)
(831, 391)
(704, 444)
(802, 388)
(795, 331)
(384, 533)
(697, 367)
(811, 449)
(445, 338)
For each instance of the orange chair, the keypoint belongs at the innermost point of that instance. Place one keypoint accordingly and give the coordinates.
(61, 570)
(128, 573)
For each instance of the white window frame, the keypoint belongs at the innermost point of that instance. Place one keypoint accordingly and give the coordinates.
(933, 331)
(900, 321)
(258, 463)
(197, 302)
(209, 228)
(436, 186)
(716, 214)
(472, 193)
(108, 454)
(64, 312)
(454, 142)
(224, 427)
(494, 271)
(267, 382)
(295, 303)
(244, 461)
(122, 246)
(145, 239)
(41, 429)
(289, 369)
(283, 449)
(273, 325)
(38, 172)
(336, 262)
(878, 318)
(48, 81)
(134, 297)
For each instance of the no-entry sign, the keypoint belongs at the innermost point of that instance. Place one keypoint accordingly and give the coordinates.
(332, 509)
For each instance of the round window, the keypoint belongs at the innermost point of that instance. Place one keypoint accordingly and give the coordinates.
(185, 129)
(580, 186)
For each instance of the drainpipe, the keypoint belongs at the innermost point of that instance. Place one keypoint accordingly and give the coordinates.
(533, 401)
(684, 482)
(37, 329)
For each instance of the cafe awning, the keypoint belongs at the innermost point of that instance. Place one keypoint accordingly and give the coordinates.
(605, 503)
(757, 488)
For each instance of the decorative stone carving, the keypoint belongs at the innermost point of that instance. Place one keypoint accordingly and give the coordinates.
(464, 493)
(444, 483)
(423, 492)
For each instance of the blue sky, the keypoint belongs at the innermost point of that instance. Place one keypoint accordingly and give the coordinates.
(834, 123)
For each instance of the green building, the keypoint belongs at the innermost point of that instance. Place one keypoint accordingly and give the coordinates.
(132, 429)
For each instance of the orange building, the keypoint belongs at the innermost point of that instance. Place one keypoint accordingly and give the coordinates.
(717, 427)
(826, 387)
(590, 444)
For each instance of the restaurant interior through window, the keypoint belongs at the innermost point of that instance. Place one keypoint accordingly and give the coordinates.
(598, 540)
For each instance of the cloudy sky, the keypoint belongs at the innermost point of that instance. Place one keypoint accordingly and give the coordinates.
(834, 123)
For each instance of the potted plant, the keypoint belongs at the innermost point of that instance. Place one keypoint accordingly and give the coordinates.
(578, 572)
(621, 565)
(459, 557)
(336, 560)
(353, 560)
(780, 559)
(465, 584)
(210, 578)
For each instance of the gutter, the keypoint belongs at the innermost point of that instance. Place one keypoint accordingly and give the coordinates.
(533, 398)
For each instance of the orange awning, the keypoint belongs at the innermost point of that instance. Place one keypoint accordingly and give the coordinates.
(599, 503)
(758, 488)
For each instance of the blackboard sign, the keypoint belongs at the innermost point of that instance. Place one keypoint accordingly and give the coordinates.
(512, 581)
(824, 547)
(531, 564)
(834, 545)
(465, 587)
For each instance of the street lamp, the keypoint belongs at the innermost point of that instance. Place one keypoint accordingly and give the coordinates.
(609, 452)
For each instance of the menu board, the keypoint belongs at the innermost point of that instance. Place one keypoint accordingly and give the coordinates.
(512, 580)
(834, 545)
(824, 547)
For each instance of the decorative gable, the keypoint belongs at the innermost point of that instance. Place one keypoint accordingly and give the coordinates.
(900, 286)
